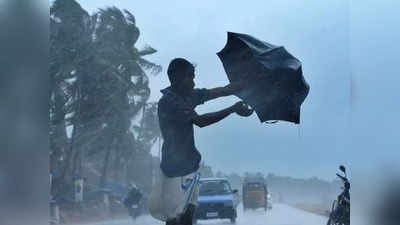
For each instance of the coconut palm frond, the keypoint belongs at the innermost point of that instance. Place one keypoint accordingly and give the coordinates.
(130, 17)
(154, 68)
(147, 50)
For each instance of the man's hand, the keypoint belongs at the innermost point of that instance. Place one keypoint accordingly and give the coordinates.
(242, 109)
(207, 119)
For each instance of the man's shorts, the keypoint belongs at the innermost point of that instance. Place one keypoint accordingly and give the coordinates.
(171, 195)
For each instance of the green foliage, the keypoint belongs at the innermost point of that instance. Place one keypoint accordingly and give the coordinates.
(98, 85)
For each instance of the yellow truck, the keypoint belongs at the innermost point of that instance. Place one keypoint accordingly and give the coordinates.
(254, 193)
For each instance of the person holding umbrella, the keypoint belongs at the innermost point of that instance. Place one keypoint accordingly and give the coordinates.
(174, 197)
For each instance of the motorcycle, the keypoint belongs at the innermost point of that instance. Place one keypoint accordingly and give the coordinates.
(134, 210)
(340, 212)
(133, 202)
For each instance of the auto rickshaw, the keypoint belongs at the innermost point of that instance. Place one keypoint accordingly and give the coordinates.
(254, 194)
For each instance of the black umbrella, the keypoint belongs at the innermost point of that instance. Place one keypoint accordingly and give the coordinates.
(276, 84)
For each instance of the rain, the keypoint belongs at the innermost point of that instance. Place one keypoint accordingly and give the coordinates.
(200, 112)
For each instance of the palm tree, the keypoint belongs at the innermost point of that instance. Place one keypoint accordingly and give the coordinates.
(99, 83)
(149, 130)
(115, 37)
(69, 45)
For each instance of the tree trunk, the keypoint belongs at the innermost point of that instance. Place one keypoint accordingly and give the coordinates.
(117, 166)
(105, 164)
(58, 143)
(58, 137)
(75, 163)
(69, 154)
(76, 123)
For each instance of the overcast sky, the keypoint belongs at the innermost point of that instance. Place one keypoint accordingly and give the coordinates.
(350, 59)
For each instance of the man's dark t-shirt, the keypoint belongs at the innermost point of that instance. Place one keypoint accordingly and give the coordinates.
(175, 112)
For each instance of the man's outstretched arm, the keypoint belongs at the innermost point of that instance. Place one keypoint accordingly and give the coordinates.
(227, 90)
(211, 118)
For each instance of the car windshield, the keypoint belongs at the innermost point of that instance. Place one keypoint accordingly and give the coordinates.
(214, 187)
(255, 186)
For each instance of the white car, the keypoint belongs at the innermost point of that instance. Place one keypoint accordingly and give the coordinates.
(216, 200)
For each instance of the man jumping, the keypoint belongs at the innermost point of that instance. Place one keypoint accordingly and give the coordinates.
(174, 198)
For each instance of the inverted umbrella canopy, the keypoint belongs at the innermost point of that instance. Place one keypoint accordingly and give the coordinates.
(276, 87)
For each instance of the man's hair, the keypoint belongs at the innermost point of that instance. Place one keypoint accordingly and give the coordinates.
(178, 69)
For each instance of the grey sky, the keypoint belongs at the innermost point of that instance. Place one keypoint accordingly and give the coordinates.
(341, 45)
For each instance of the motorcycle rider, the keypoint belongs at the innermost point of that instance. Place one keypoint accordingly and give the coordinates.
(344, 202)
(131, 201)
(340, 214)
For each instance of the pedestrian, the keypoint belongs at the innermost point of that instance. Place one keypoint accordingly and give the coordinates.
(174, 197)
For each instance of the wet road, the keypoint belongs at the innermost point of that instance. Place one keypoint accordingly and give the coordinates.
(279, 215)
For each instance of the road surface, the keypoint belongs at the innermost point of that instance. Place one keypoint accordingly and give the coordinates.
(279, 215)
